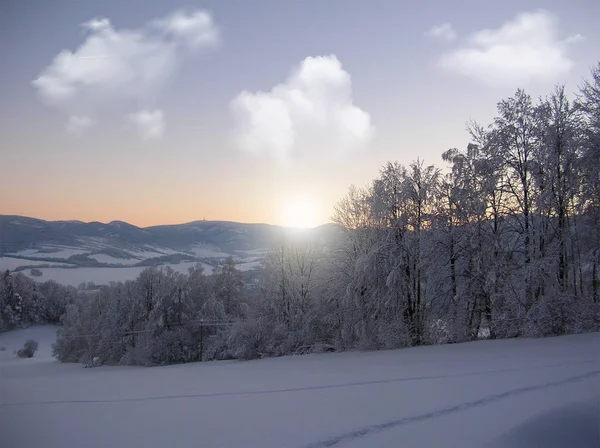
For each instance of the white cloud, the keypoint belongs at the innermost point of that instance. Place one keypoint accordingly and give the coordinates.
(196, 28)
(574, 39)
(523, 50)
(114, 68)
(312, 110)
(150, 124)
(77, 124)
(97, 24)
(443, 32)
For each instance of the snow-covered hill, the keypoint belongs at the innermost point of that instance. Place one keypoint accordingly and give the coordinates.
(503, 393)
(73, 252)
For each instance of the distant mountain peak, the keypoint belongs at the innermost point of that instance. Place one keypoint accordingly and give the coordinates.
(118, 223)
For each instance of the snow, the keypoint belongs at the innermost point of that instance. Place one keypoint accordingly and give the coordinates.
(149, 251)
(248, 266)
(26, 224)
(482, 394)
(208, 252)
(13, 263)
(208, 269)
(183, 267)
(63, 252)
(104, 258)
(164, 250)
(103, 276)
(144, 255)
(76, 276)
(256, 252)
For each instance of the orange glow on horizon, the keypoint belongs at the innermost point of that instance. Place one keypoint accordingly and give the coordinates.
(146, 214)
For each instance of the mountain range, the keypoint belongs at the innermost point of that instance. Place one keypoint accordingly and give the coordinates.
(52, 247)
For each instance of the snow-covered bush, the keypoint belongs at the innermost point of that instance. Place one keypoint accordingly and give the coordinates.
(95, 362)
(28, 350)
(175, 347)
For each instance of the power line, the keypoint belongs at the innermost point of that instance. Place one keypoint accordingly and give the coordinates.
(202, 323)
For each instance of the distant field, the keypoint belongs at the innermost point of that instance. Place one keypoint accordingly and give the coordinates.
(102, 276)
(73, 273)
(74, 276)
(13, 263)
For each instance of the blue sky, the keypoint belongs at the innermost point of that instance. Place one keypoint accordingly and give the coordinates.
(256, 110)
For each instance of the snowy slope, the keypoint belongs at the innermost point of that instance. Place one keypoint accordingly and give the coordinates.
(488, 393)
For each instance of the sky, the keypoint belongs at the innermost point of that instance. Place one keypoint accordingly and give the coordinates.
(160, 112)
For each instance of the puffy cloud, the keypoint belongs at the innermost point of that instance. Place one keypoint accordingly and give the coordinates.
(443, 32)
(523, 50)
(150, 124)
(196, 28)
(312, 110)
(114, 68)
(77, 124)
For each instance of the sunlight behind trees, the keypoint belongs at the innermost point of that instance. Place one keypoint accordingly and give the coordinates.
(505, 244)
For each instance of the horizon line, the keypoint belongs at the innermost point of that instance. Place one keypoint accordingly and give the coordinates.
(163, 225)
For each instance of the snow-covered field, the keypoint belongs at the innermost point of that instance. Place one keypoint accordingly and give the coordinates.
(104, 258)
(512, 393)
(13, 263)
(208, 251)
(124, 268)
(51, 251)
(248, 266)
(103, 276)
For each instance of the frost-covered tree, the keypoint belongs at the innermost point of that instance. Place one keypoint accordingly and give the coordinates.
(228, 284)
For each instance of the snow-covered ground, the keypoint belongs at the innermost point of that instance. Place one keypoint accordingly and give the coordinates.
(208, 251)
(104, 258)
(74, 276)
(248, 266)
(257, 252)
(51, 251)
(512, 393)
(103, 276)
(13, 263)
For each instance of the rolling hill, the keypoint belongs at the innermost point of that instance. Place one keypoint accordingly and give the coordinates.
(119, 250)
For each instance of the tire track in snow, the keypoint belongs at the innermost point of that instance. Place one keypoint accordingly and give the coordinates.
(373, 429)
(293, 389)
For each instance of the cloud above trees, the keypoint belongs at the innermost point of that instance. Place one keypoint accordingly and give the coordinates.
(312, 110)
(526, 49)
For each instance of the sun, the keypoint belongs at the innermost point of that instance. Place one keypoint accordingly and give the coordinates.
(299, 213)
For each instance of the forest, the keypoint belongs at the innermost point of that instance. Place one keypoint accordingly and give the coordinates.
(501, 241)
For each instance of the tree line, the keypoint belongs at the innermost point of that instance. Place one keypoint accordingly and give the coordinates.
(24, 302)
(503, 241)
